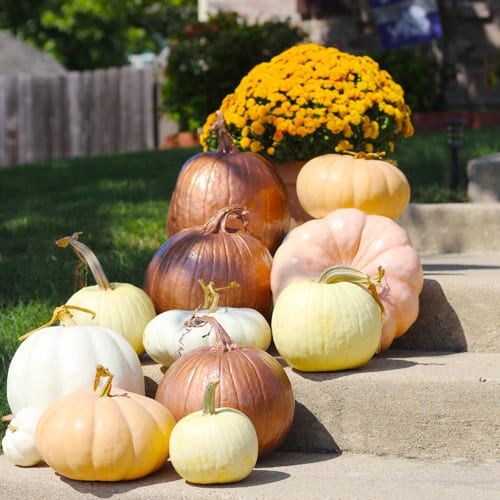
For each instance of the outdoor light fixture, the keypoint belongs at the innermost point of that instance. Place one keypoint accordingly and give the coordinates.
(454, 140)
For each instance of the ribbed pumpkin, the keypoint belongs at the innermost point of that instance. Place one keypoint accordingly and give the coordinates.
(104, 433)
(55, 360)
(219, 252)
(212, 180)
(350, 237)
(251, 380)
(363, 181)
(166, 336)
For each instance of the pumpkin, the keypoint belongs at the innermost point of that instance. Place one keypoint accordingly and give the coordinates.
(350, 237)
(251, 380)
(213, 252)
(18, 443)
(123, 307)
(210, 181)
(104, 433)
(362, 181)
(214, 445)
(166, 336)
(35, 375)
(330, 323)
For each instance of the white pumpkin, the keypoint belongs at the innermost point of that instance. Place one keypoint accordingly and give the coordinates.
(166, 338)
(123, 307)
(19, 442)
(55, 360)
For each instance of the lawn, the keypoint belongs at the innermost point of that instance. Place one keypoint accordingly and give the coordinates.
(120, 203)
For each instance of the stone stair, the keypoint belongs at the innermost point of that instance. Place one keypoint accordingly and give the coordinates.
(436, 392)
(420, 420)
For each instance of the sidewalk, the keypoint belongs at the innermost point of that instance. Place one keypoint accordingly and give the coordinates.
(287, 476)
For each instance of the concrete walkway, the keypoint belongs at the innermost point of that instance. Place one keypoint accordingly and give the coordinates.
(287, 476)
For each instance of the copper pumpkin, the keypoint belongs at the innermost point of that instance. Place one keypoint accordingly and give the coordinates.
(220, 252)
(212, 180)
(251, 380)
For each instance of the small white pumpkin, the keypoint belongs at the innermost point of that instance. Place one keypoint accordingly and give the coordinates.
(166, 337)
(123, 307)
(212, 445)
(19, 442)
(53, 361)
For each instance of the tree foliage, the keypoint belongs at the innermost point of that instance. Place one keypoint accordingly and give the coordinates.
(208, 59)
(89, 34)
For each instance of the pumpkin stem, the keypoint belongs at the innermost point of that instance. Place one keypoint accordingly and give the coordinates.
(218, 223)
(87, 258)
(102, 371)
(223, 341)
(209, 398)
(337, 274)
(62, 314)
(371, 156)
(211, 297)
(225, 144)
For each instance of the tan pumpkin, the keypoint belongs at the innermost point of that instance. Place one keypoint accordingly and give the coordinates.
(350, 237)
(210, 181)
(251, 380)
(361, 180)
(220, 252)
(104, 433)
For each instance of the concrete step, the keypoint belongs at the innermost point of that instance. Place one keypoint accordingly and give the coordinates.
(280, 476)
(459, 304)
(406, 404)
(436, 228)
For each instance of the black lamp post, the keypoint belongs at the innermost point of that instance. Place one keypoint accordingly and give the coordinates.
(454, 140)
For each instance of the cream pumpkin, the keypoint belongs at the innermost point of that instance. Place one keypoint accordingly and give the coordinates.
(328, 324)
(364, 242)
(18, 444)
(122, 307)
(362, 181)
(214, 445)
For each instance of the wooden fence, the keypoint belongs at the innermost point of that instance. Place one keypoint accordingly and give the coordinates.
(76, 114)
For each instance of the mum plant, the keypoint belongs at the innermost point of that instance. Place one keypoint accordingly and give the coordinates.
(312, 100)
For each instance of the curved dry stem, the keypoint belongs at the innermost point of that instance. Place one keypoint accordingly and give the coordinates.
(211, 295)
(223, 341)
(225, 144)
(337, 274)
(87, 257)
(102, 371)
(61, 314)
(218, 223)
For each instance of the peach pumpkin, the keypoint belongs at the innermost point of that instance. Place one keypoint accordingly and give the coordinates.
(364, 242)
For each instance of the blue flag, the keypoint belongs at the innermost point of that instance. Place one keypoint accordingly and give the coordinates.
(406, 22)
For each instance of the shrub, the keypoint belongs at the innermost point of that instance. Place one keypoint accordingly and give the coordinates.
(208, 59)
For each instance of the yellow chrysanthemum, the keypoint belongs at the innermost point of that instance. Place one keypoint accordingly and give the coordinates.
(311, 100)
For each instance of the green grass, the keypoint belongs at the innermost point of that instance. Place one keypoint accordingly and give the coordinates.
(120, 203)
(426, 161)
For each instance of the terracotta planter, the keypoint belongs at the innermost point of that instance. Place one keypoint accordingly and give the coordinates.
(288, 173)
(187, 139)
